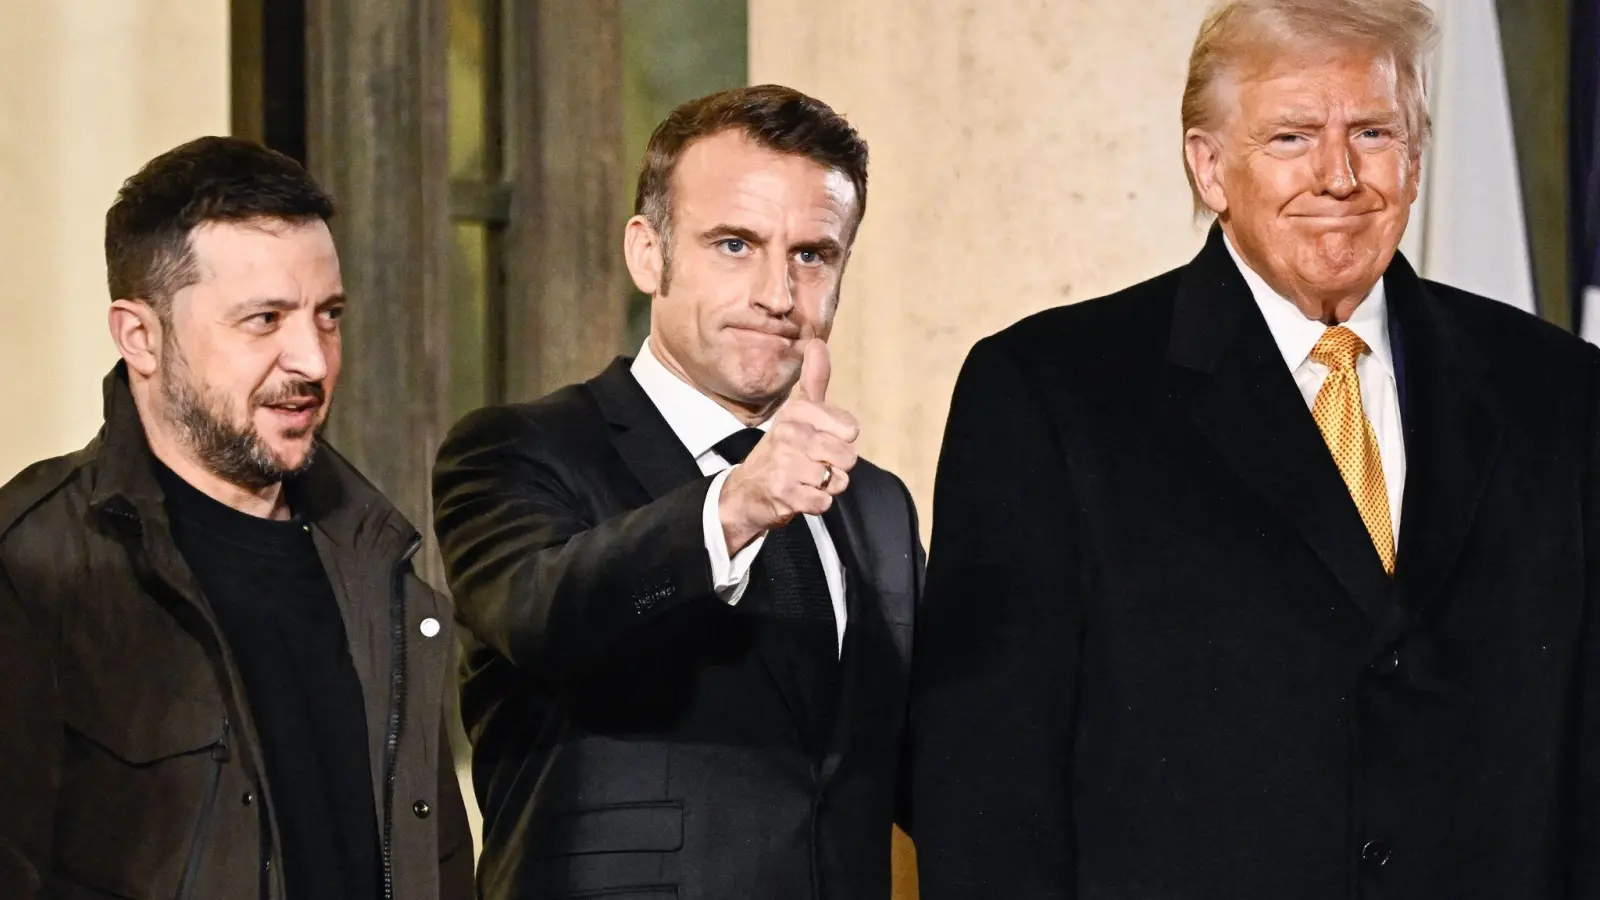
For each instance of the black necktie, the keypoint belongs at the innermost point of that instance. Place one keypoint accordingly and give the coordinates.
(788, 587)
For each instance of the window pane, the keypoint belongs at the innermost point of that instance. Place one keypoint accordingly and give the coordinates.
(673, 52)
(470, 382)
(469, 34)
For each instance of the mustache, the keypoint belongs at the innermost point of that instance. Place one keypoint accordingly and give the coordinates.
(293, 390)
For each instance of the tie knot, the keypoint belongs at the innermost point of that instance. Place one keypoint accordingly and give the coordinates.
(1338, 348)
(735, 447)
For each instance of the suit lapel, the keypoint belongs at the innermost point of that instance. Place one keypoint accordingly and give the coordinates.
(1245, 402)
(661, 464)
(1453, 433)
(641, 434)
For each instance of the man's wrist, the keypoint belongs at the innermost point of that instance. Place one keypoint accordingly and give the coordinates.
(737, 531)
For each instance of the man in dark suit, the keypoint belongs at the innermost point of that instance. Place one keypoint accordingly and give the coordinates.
(693, 604)
(1275, 576)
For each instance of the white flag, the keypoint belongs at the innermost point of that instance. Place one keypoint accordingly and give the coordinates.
(1468, 228)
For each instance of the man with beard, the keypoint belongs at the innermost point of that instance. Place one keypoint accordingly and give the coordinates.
(221, 677)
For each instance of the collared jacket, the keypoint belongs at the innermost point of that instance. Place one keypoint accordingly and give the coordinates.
(129, 765)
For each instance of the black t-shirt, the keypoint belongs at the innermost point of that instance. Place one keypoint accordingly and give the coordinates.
(272, 598)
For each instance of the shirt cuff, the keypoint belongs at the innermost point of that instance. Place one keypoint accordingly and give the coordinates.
(729, 577)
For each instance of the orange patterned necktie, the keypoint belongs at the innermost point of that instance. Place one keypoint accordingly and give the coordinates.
(1350, 437)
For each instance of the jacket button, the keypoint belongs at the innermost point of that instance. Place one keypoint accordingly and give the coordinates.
(248, 798)
(1387, 664)
(422, 809)
(1375, 854)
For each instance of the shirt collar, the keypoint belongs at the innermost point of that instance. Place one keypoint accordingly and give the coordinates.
(1296, 335)
(698, 421)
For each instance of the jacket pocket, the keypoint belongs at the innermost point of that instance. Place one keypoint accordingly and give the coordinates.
(652, 827)
(143, 737)
(140, 782)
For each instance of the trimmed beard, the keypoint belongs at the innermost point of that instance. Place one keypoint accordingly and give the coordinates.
(236, 454)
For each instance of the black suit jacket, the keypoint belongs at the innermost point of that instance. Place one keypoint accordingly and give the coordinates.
(629, 734)
(1160, 658)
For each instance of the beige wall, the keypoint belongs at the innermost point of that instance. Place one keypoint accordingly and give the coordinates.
(1025, 154)
(90, 90)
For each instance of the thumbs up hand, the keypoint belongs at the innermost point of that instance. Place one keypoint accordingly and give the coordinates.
(799, 467)
(815, 370)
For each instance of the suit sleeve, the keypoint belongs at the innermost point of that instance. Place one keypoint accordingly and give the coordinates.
(996, 664)
(1583, 858)
(532, 575)
(30, 751)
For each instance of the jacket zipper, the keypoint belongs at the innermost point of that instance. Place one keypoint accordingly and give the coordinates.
(197, 847)
(397, 706)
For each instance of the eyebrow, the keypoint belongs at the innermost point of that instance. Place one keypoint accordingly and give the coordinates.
(723, 232)
(1306, 120)
(279, 304)
(826, 246)
(1371, 119)
(1296, 120)
(264, 304)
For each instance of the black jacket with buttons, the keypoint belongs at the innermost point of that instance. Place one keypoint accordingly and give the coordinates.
(129, 766)
(1160, 658)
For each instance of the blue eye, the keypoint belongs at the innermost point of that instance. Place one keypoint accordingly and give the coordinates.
(810, 256)
(734, 245)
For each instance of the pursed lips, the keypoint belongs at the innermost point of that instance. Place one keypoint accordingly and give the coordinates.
(788, 334)
(1333, 215)
(1336, 222)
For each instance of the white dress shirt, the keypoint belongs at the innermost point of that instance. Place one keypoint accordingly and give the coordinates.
(700, 423)
(1296, 335)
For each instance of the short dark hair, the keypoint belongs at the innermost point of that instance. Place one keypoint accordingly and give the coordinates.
(210, 179)
(779, 118)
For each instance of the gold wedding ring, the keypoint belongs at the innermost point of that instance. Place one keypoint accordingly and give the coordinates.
(827, 476)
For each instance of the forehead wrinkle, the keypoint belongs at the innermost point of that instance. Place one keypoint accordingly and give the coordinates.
(1311, 99)
(767, 192)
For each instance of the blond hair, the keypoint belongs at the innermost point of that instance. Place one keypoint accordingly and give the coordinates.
(1238, 33)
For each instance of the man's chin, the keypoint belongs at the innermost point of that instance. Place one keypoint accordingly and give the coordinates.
(293, 456)
(1340, 273)
(753, 380)
(757, 393)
